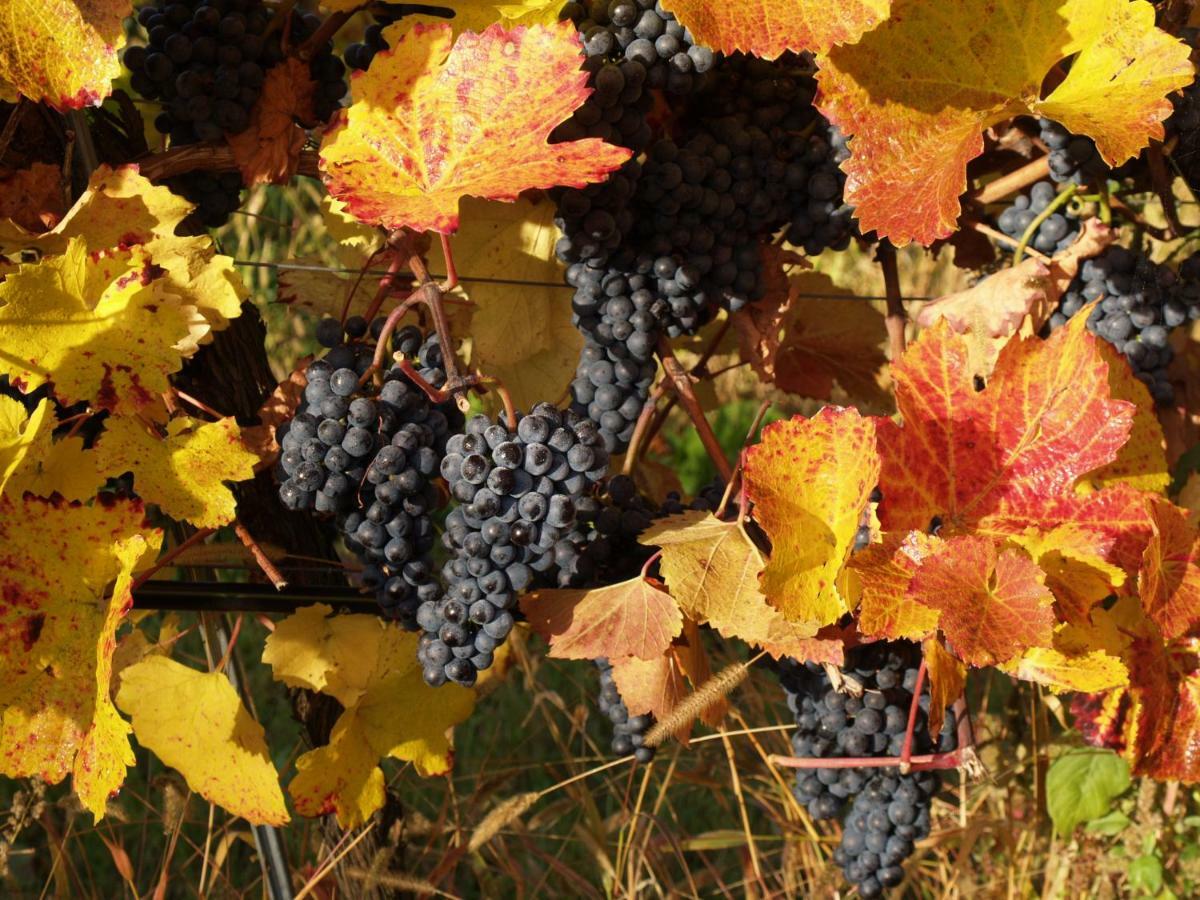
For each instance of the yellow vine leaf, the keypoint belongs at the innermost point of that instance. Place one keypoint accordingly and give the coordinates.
(195, 723)
(769, 28)
(92, 327)
(947, 677)
(809, 480)
(32, 460)
(436, 119)
(185, 471)
(120, 209)
(58, 625)
(371, 668)
(916, 94)
(520, 333)
(1091, 671)
(1073, 558)
(712, 570)
(61, 51)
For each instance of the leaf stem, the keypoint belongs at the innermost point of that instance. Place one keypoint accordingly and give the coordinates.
(682, 384)
(896, 316)
(264, 561)
(1052, 207)
(161, 563)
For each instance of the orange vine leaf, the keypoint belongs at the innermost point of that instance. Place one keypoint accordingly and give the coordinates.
(436, 119)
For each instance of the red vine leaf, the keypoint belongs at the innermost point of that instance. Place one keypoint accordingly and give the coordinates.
(1005, 458)
(436, 119)
(993, 605)
(631, 618)
(885, 571)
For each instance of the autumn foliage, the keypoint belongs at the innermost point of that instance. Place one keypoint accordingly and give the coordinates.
(985, 481)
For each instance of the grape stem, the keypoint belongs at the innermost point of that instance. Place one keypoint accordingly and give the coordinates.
(1031, 229)
(642, 426)
(913, 709)
(211, 157)
(357, 281)
(1162, 186)
(451, 281)
(896, 316)
(203, 407)
(510, 411)
(1017, 180)
(682, 384)
(385, 287)
(192, 539)
(1000, 237)
(264, 562)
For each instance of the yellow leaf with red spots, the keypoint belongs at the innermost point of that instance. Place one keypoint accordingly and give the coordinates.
(371, 668)
(769, 28)
(32, 460)
(65, 576)
(436, 119)
(712, 569)
(993, 605)
(61, 51)
(630, 618)
(120, 210)
(809, 480)
(194, 722)
(916, 94)
(1058, 668)
(184, 471)
(885, 571)
(93, 327)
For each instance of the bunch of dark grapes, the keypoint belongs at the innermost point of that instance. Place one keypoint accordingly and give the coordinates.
(655, 250)
(519, 494)
(1183, 127)
(1141, 303)
(206, 61)
(1055, 233)
(369, 457)
(1073, 158)
(887, 812)
(629, 732)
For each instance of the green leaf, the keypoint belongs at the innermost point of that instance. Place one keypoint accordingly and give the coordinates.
(1113, 823)
(1081, 785)
(1146, 874)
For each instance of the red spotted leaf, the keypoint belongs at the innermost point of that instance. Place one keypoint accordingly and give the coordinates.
(809, 480)
(436, 119)
(632, 618)
(885, 571)
(993, 604)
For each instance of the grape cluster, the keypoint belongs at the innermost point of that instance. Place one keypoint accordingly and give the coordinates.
(887, 811)
(629, 732)
(654, 251)
(1141, 302)
(519, 494)
(206, 61)
(369, 458)
(1055, 233)
(1074, 158)
(1183, 126)
(642, 32)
